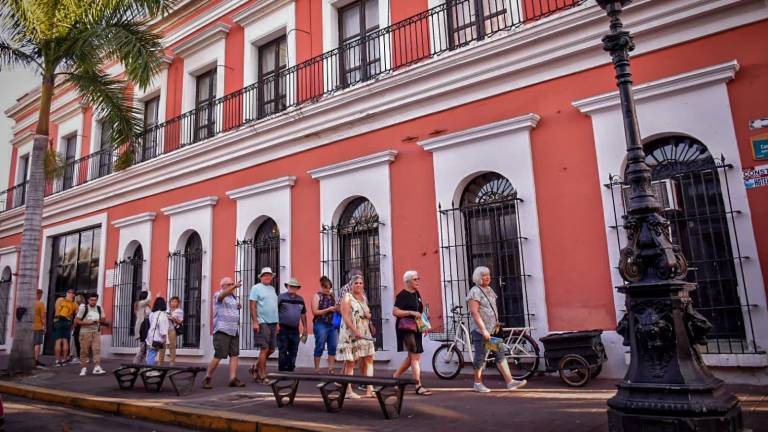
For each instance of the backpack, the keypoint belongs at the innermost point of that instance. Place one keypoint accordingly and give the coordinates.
(85, 312)
(144, 329)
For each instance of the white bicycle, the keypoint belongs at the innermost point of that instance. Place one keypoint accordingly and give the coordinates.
(520, 349)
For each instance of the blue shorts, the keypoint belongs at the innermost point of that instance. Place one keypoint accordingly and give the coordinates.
(479, 350)
(62, 329)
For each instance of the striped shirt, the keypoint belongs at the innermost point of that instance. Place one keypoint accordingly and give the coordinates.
(226, 314)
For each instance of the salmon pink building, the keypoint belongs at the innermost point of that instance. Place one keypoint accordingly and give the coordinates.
(323, 136)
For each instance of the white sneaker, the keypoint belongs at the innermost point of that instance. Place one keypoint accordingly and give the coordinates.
(515, 384)
(481, 388)
(98, 370)
(83, 371)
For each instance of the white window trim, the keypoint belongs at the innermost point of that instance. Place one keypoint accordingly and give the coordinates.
(367, 177)
(136, 229)
(261, 25)
(9, 257)
(505, 148)
(201, 54)
(99, 220)
(256, 203)
(195, 215)
(67, 128)
(694, 103)
(21, 151)
(330, 10)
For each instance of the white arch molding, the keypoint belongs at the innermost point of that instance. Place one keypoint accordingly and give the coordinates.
(696, 104)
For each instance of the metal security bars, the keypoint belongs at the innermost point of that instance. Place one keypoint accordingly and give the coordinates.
(484, 230)
(185, 279)
(5, 295)
(263, 250)
(447, 27)
(353, 244)
(14, 197)
(129, 283)
(696, 198)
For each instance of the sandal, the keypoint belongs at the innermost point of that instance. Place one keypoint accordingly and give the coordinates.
(254, 372)
(421, 391)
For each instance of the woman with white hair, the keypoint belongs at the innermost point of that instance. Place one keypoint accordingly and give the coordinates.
(408, 308)
(485, 321)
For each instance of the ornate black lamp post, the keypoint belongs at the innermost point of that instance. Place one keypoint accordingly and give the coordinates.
(667, 386)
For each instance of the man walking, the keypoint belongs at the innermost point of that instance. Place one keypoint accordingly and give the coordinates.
(38, 326)
(226, 327)
(90, 319)
(292, 312)
(263, 308)
(64, 308)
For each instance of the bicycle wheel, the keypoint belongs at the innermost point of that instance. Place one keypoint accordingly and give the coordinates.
(524, 358)
(447, 362)
(574, 370)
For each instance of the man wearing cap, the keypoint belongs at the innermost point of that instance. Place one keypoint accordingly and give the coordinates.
(264, 319)
(226, 330)
(292, 312)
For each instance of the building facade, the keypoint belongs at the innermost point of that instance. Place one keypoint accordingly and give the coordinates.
(322, 136)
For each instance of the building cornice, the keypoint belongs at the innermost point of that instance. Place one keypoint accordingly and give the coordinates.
(9, 250)
(23, 138)
(260, 188)
(68, 112)
(381, 158)
(190, 205)
(201, 40)
(135, 219)
(525, 122)
(257, 10)
(201, 20)
(717, 74)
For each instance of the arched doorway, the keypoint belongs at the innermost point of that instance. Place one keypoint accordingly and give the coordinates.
(130, 283)
(488, 208)
(687, 181)
(185, 281)
(260, 250)
(358, 246)
(6, 279)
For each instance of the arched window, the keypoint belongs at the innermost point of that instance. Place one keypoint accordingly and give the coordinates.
(687, 182)
(186, 282)
(129, 283)
(5, 294)
(254, 253)
(357, 239)
(489, 211)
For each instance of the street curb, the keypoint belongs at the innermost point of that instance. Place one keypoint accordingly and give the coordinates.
(198, 418)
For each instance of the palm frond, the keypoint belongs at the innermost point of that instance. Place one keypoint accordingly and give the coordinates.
(107, 94)
(12, 56)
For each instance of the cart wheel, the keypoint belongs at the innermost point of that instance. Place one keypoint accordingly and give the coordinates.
(594, 371)
(574, 370)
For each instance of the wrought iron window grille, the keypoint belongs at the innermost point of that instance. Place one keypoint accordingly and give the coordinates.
(185, 281)
(126, 294)
(704, 226)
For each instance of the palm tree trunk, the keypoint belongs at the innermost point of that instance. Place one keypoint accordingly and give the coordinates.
(22, 351)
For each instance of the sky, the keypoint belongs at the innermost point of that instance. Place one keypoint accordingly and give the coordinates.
(13, 84)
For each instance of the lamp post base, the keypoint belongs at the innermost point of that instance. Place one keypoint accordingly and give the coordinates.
(619, 420)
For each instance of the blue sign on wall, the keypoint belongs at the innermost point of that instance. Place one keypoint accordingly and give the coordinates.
(760, 147)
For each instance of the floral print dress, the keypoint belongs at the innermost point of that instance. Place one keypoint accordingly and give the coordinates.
(349, 348)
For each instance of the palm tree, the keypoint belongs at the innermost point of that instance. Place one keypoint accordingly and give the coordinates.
(69, 43)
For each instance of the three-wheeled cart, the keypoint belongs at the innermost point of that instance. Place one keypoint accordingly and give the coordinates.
(578, 356)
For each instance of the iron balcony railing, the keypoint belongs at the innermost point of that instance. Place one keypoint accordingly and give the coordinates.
(447, 27)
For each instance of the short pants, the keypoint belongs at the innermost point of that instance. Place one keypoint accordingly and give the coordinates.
(266, 337)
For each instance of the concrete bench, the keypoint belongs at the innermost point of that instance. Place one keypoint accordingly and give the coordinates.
(333, 389)
(182, 378)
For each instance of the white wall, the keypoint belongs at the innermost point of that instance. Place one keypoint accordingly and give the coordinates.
(9, 258)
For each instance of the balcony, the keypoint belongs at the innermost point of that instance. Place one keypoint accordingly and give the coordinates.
(444, 28)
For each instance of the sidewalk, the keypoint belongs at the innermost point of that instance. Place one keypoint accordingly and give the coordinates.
(546, 404)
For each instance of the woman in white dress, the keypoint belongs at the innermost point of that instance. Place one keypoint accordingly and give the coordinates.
(355, 340)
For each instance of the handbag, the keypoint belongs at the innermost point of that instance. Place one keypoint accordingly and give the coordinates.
(336, 321)
(407, 324)
(423, 321)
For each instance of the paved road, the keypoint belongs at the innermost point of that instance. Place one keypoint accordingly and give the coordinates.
(28, 415)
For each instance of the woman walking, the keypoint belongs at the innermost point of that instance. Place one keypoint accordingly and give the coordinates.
(157, 336)
(408, 308)
(485, 320)
(323, 307)
(140, 310)
(355, 341)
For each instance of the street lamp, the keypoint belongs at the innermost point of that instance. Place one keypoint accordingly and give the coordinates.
(667, 387)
